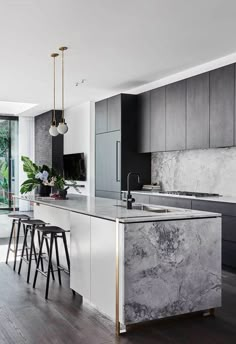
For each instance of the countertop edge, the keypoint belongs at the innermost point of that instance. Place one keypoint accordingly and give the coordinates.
(152, 218)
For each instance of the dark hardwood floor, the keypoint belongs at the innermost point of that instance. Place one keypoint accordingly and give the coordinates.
(25, 317)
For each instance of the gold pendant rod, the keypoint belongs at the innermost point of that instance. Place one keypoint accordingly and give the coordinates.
(54, 55)
(62, 49)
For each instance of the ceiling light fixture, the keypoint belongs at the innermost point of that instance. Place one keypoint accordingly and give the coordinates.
(80, 82)
(62, 126)
(53, 128)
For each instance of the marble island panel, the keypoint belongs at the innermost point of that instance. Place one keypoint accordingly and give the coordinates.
(171, 268)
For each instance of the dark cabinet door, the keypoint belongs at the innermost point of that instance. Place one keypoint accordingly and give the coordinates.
(144, 123)
(222, 107)
(229, 253)
(114, 113)
(101, 116)
(158, 120)
(108, 161)
(176, 116)
(198, 120)
(229, 228)
(215, 207)
(171, 201)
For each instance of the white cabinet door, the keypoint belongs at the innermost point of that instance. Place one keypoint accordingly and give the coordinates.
(80, 254)
(103, 265)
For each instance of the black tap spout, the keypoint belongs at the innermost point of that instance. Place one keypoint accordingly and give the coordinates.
(130, 200)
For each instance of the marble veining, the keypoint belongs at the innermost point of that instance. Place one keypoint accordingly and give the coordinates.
(171, 268)
(200, 170)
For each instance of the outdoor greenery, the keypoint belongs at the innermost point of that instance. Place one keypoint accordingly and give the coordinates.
(4, 176)
(4, 139)
(4, 151)
(38, 175)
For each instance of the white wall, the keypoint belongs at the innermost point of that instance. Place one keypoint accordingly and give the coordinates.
(80, 139)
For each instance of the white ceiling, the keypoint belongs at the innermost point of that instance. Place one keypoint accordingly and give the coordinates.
(116, 45)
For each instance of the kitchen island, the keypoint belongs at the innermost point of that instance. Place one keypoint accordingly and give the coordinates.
(137, 265)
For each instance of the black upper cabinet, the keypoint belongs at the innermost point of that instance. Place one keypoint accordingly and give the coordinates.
(158, 121)
(101, 121)
(222, 107)
(116, 147)
(198, 112)
(144, 125)
(114, 113)
(176, 116)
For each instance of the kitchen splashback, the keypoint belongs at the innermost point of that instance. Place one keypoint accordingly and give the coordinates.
(203, 170)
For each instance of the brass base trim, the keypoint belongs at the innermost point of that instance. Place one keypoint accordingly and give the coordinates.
(117, 280)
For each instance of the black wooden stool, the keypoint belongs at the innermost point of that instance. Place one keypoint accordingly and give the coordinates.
(30, 226)
(17, 219)
(52, 233)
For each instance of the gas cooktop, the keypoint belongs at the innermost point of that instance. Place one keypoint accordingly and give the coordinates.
(190, 193)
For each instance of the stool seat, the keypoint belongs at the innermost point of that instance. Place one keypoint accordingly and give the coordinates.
(30, 226)
(35, 222)
(51, 233)
(19, 216)
(51, 229)
(16, 217)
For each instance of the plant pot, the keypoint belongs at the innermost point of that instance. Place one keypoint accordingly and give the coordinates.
(44, 190)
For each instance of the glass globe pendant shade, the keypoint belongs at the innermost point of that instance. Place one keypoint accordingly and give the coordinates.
(53, 130)
(62, 128)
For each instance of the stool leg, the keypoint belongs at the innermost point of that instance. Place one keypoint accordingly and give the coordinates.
(17, 242)
(31, 252)
(66, 250)
(47, 246)
(67, 255)
(58, 262)
(38, 262)
(39, 246)
(49, 265)
(23, 249)
(35, 253)
(26, 246)
(10, 239)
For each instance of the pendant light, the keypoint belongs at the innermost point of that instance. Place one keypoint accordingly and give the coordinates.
(53, 128)
(62, 126)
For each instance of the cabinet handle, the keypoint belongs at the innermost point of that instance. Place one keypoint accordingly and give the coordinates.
(117, 162)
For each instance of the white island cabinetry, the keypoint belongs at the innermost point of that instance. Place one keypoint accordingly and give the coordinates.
(93, 265)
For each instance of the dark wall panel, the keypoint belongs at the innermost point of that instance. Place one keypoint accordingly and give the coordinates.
(48, 149)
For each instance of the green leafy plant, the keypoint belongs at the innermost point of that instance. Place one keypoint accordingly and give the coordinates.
(4, 176)
(39, 175)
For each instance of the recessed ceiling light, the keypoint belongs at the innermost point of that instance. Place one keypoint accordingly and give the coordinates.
(79, 82)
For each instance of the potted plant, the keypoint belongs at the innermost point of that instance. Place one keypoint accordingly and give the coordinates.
(42, 177)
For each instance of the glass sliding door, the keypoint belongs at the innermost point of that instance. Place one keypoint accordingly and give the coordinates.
(8, 160)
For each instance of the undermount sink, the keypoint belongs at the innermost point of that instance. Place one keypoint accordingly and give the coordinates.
(144, 207)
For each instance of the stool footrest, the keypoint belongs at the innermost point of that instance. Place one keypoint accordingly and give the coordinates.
(42, 272)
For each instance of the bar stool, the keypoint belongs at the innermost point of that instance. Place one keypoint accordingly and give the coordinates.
(54, 233)
(17, 219)
(30, 226)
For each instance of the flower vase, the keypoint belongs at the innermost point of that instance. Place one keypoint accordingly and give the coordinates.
(44, 190)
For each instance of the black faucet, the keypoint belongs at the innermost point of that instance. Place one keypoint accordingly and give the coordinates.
(130, 200)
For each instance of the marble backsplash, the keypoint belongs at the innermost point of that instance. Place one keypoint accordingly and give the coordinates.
(203, 170)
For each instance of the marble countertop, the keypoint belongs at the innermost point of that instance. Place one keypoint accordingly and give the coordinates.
(114, 209)
(223, 199)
